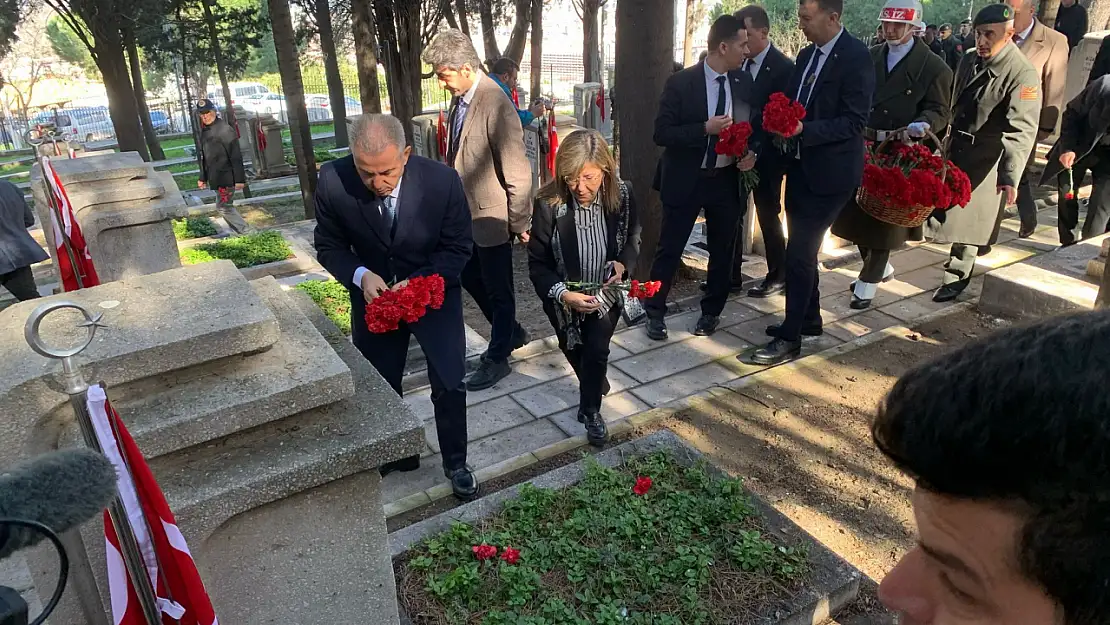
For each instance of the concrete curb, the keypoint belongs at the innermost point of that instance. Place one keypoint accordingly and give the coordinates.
(653, 415)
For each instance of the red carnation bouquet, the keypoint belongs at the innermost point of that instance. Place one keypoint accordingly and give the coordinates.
(733, 141)
(780, 117)
(408, 303)
(903, 184)
(634, 288)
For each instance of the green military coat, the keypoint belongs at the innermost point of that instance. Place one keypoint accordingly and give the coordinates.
(996, 109)
(918, 89)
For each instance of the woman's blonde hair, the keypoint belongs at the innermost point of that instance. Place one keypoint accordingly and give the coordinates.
(578, 149)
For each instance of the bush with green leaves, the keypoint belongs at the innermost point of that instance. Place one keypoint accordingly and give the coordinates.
(193, 228)
(247, 250)
(333, 298)
(688, 548)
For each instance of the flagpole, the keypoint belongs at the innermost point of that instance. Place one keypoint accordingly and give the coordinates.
(77, 389)
(56, 210)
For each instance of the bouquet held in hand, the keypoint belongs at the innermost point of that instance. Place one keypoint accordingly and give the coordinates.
(733, 141)
(781, 117)
(634, 288)
(903, 184)
(408, 303)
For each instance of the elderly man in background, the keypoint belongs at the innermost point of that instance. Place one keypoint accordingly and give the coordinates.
(18, 251)
(1071, 21)
(486, 146)
(504, 72)
(1047, 51)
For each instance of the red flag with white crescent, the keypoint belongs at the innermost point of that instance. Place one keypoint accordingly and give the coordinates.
(600, 101)
(82, 263)
(441, 135)
(552, 142)
(181, 597)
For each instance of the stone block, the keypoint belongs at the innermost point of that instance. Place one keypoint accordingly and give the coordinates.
(683, 384)
(108, 166)
(145, 336)
(1051, 283)
(170, 412)
(677, 357)
(513, 442)
(561, 394)
(526, 374)
(1096, 267)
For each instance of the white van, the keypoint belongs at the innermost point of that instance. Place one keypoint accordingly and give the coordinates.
(240, 92)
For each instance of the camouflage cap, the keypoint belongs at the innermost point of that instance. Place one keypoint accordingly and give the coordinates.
(993, 14)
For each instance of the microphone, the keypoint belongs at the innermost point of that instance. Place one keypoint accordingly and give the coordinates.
(60, 490)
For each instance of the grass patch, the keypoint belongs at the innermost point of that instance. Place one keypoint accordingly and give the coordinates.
(333, 298)
(273, 212)
(693, 549)
(187, 182)
(193, 228)
(245, 251)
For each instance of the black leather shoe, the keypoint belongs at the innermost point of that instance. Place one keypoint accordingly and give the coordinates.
(656, 329)
(773, 331)
(777, 352)
(767, 289)
(488, 374)
(1026, 232)
(706, 325)
(404, 465)
(949, 292)
(596, 431)
(463, 483)
(859, 304)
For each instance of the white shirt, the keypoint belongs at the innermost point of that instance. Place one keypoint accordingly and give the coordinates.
(712, 93)
(396, 196)
(1019, 38)
(754, 65)
(826, 50)
(896, 52)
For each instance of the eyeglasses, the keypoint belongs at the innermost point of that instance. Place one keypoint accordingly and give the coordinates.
(588, 179)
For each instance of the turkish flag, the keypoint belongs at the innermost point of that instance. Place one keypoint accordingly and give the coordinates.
(441, 135)
(552, 142)
(81, 264)
(601, 101)
(181, 597)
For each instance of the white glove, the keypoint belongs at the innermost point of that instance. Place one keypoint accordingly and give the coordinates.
(917, 129)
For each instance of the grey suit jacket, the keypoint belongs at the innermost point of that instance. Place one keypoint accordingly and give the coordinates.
(17, 248)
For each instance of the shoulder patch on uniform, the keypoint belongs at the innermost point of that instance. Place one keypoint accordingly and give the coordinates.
(1029, 92)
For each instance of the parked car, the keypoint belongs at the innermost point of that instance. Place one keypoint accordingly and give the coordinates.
(84, 123)
(161, 122)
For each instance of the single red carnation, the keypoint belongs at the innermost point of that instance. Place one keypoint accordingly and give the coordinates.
(643, 485)
(484, 551)
(510, 555)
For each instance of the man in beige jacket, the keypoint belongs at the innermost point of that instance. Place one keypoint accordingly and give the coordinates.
(1047, 50)
(486, 146)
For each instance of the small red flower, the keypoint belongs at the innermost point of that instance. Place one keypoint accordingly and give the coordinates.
(1070, 195)
(484, 551)
(407, 304)
(643, 485)
(644, 290)
(510, 555)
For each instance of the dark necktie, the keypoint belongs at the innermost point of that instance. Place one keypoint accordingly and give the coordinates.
(748, 67)
(711, 147)
(389, 214)
(810, 79)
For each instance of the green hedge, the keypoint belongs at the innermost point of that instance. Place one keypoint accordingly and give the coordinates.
(193, 228)
(333, 298)
(245, 251)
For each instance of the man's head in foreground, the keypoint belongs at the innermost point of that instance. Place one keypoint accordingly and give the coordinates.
(1008, 440)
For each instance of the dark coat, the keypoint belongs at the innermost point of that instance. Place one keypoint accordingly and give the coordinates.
(995, 114)
(1085, 124)
(1101, 65)
(918, 89)
(953, 51)
(774, 77)
(831, 143)
(680, 129)
(17, 248)
(1072, 23)
(222, 162)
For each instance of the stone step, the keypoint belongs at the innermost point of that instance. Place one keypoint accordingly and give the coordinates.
(1096, 267)
(1105, 250)
(181, 409)
(206, 485)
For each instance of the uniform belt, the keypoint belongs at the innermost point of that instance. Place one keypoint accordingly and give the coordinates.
(876, 135)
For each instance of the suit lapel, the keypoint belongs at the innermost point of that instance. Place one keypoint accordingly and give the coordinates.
(1034, 46)
(468, 121)
(568, 241)
(371, 214)
(799, 70)
(828, 67)
(741, 84)
(408, 202)
(701, 96)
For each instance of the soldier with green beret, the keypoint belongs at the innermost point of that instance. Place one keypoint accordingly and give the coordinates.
(996, 107)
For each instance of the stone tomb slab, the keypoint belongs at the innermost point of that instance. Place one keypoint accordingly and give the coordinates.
(833, 582)
(1048, 284)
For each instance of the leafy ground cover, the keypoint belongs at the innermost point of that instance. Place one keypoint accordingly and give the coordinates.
(193, 228)
(245, 251)
(650, 542)
(333, 299)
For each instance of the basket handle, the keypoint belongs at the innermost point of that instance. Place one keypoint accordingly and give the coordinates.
(943, 147)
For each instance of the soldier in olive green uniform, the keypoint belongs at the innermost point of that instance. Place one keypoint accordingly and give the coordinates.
(913, 88)
(995, 114)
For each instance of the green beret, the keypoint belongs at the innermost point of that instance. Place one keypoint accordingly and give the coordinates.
(993, 14)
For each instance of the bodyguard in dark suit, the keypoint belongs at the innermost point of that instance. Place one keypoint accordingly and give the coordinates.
(18, 250)
(383, 216)
(835, 79)
(697, 104)
(770, 70)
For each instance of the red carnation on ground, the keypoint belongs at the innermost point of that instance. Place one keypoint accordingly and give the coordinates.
(642, 486)
(484, 551)
(408, 303)
(780, 117)
(510, 555)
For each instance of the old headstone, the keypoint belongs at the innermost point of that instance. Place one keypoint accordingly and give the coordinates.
(1081, 60)
(532, 143)
(424, 141)
(586, 111)
(268, 149)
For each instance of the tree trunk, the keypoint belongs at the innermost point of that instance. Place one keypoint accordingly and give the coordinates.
(401, 102)
(366, 56)
(217, 52)
(489, 37)
(591, 47)
(449, 14)
(464, 19)
(151, 137)
(121, 93)
(331, 73)
(1046, 13)
(693, 18)
(1098, 15)
(285, 44)
(645, 59)
(536, 73)
(409, 47)
(519, 37)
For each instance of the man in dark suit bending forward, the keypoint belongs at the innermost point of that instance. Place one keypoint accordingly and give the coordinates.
(835, 79)
(382, 217)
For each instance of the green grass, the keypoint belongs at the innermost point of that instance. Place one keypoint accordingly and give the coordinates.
(193, 228)
(333, 298)
(245, 251)
(693, 549)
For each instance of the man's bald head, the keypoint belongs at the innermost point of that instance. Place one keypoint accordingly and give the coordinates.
(373, 133)
(380, 151)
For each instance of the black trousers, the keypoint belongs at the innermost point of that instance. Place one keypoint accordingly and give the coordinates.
(768, 206)
(1098, 208)
(442, 338)
(1027, 208)
(488, 277)
(719, 197)
(590, 358)
(20, 283)
(808, 217)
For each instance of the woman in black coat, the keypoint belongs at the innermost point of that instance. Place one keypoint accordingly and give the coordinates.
(584, 230)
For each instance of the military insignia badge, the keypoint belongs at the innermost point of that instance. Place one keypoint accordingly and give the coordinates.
(1028, 92)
